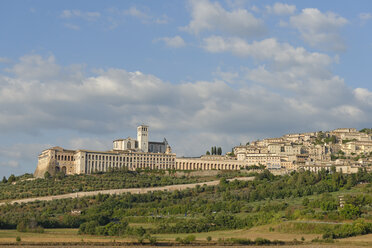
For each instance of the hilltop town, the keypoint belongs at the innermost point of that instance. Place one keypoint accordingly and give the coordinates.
(345, 148)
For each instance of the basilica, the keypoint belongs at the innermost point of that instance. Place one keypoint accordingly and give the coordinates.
(130, 153)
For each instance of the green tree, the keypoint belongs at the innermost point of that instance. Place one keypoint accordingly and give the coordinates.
(350, 211)
(12, 178)
(219, 151)
(207, 153)
(46, 175)
(4, 180)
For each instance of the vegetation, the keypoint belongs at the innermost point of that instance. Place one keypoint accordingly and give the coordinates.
(366, 130)
(323, 139)
(268, 199)
(214, 151)
(25, 186)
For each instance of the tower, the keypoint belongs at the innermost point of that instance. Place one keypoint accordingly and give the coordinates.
(143, 138)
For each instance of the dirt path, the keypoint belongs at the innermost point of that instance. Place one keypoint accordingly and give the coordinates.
(121, 191)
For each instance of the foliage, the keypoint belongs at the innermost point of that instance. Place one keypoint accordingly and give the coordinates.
(187, 240)
(47, 175)
(29, 226)
(348, 230)
(229, 205)
(215, 151)
(62, 184)
(366, 130)
(350, 211)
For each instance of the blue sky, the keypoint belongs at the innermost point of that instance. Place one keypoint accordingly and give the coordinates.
(81, 73)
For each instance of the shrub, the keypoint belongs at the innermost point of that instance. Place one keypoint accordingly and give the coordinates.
(209, 238)
(18, 239)
(188, 239)
(262, 241)
(350, 211)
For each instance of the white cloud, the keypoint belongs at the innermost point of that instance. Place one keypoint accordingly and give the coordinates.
(365, 16)
(282, 66)
(320, 30)
(207, 16)
(347, 111)
(135, 12)
(227, 76)
(86, 15)
(174, 42)
(268, 49)
(364, 96)
(71, 26)
(192, 115)
(145, 17)
(164, 19)
(35, 67)
(281, 9)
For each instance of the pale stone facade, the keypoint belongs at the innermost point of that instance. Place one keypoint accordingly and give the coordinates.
(203, 164)
(128, 153)
(291, 151)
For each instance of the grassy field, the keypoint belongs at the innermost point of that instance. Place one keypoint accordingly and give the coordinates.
(71, 235)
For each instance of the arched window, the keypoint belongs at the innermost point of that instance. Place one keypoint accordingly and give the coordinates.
(128, 145)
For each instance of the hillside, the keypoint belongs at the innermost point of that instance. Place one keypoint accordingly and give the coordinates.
(301, 204)
(26, 186)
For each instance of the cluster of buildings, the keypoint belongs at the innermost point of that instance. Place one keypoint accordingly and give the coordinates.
(345, 148)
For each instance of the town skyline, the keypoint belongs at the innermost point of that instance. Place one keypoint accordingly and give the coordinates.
(345, 149)
(200, 73)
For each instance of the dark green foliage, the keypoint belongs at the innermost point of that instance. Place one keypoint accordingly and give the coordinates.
(257, 241)
(348, 230)
(229, 205)
(46, 175)
(89, 227)
(366, 130)
(11, 179)
(61, 184)
(350, 211)
(187, 240)
(215, 151)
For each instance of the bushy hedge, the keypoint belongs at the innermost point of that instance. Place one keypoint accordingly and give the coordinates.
(348, 230)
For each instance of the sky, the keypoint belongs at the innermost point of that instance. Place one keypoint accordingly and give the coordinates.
(202, 73)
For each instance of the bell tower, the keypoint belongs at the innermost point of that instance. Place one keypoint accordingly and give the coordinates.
(143, 138)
